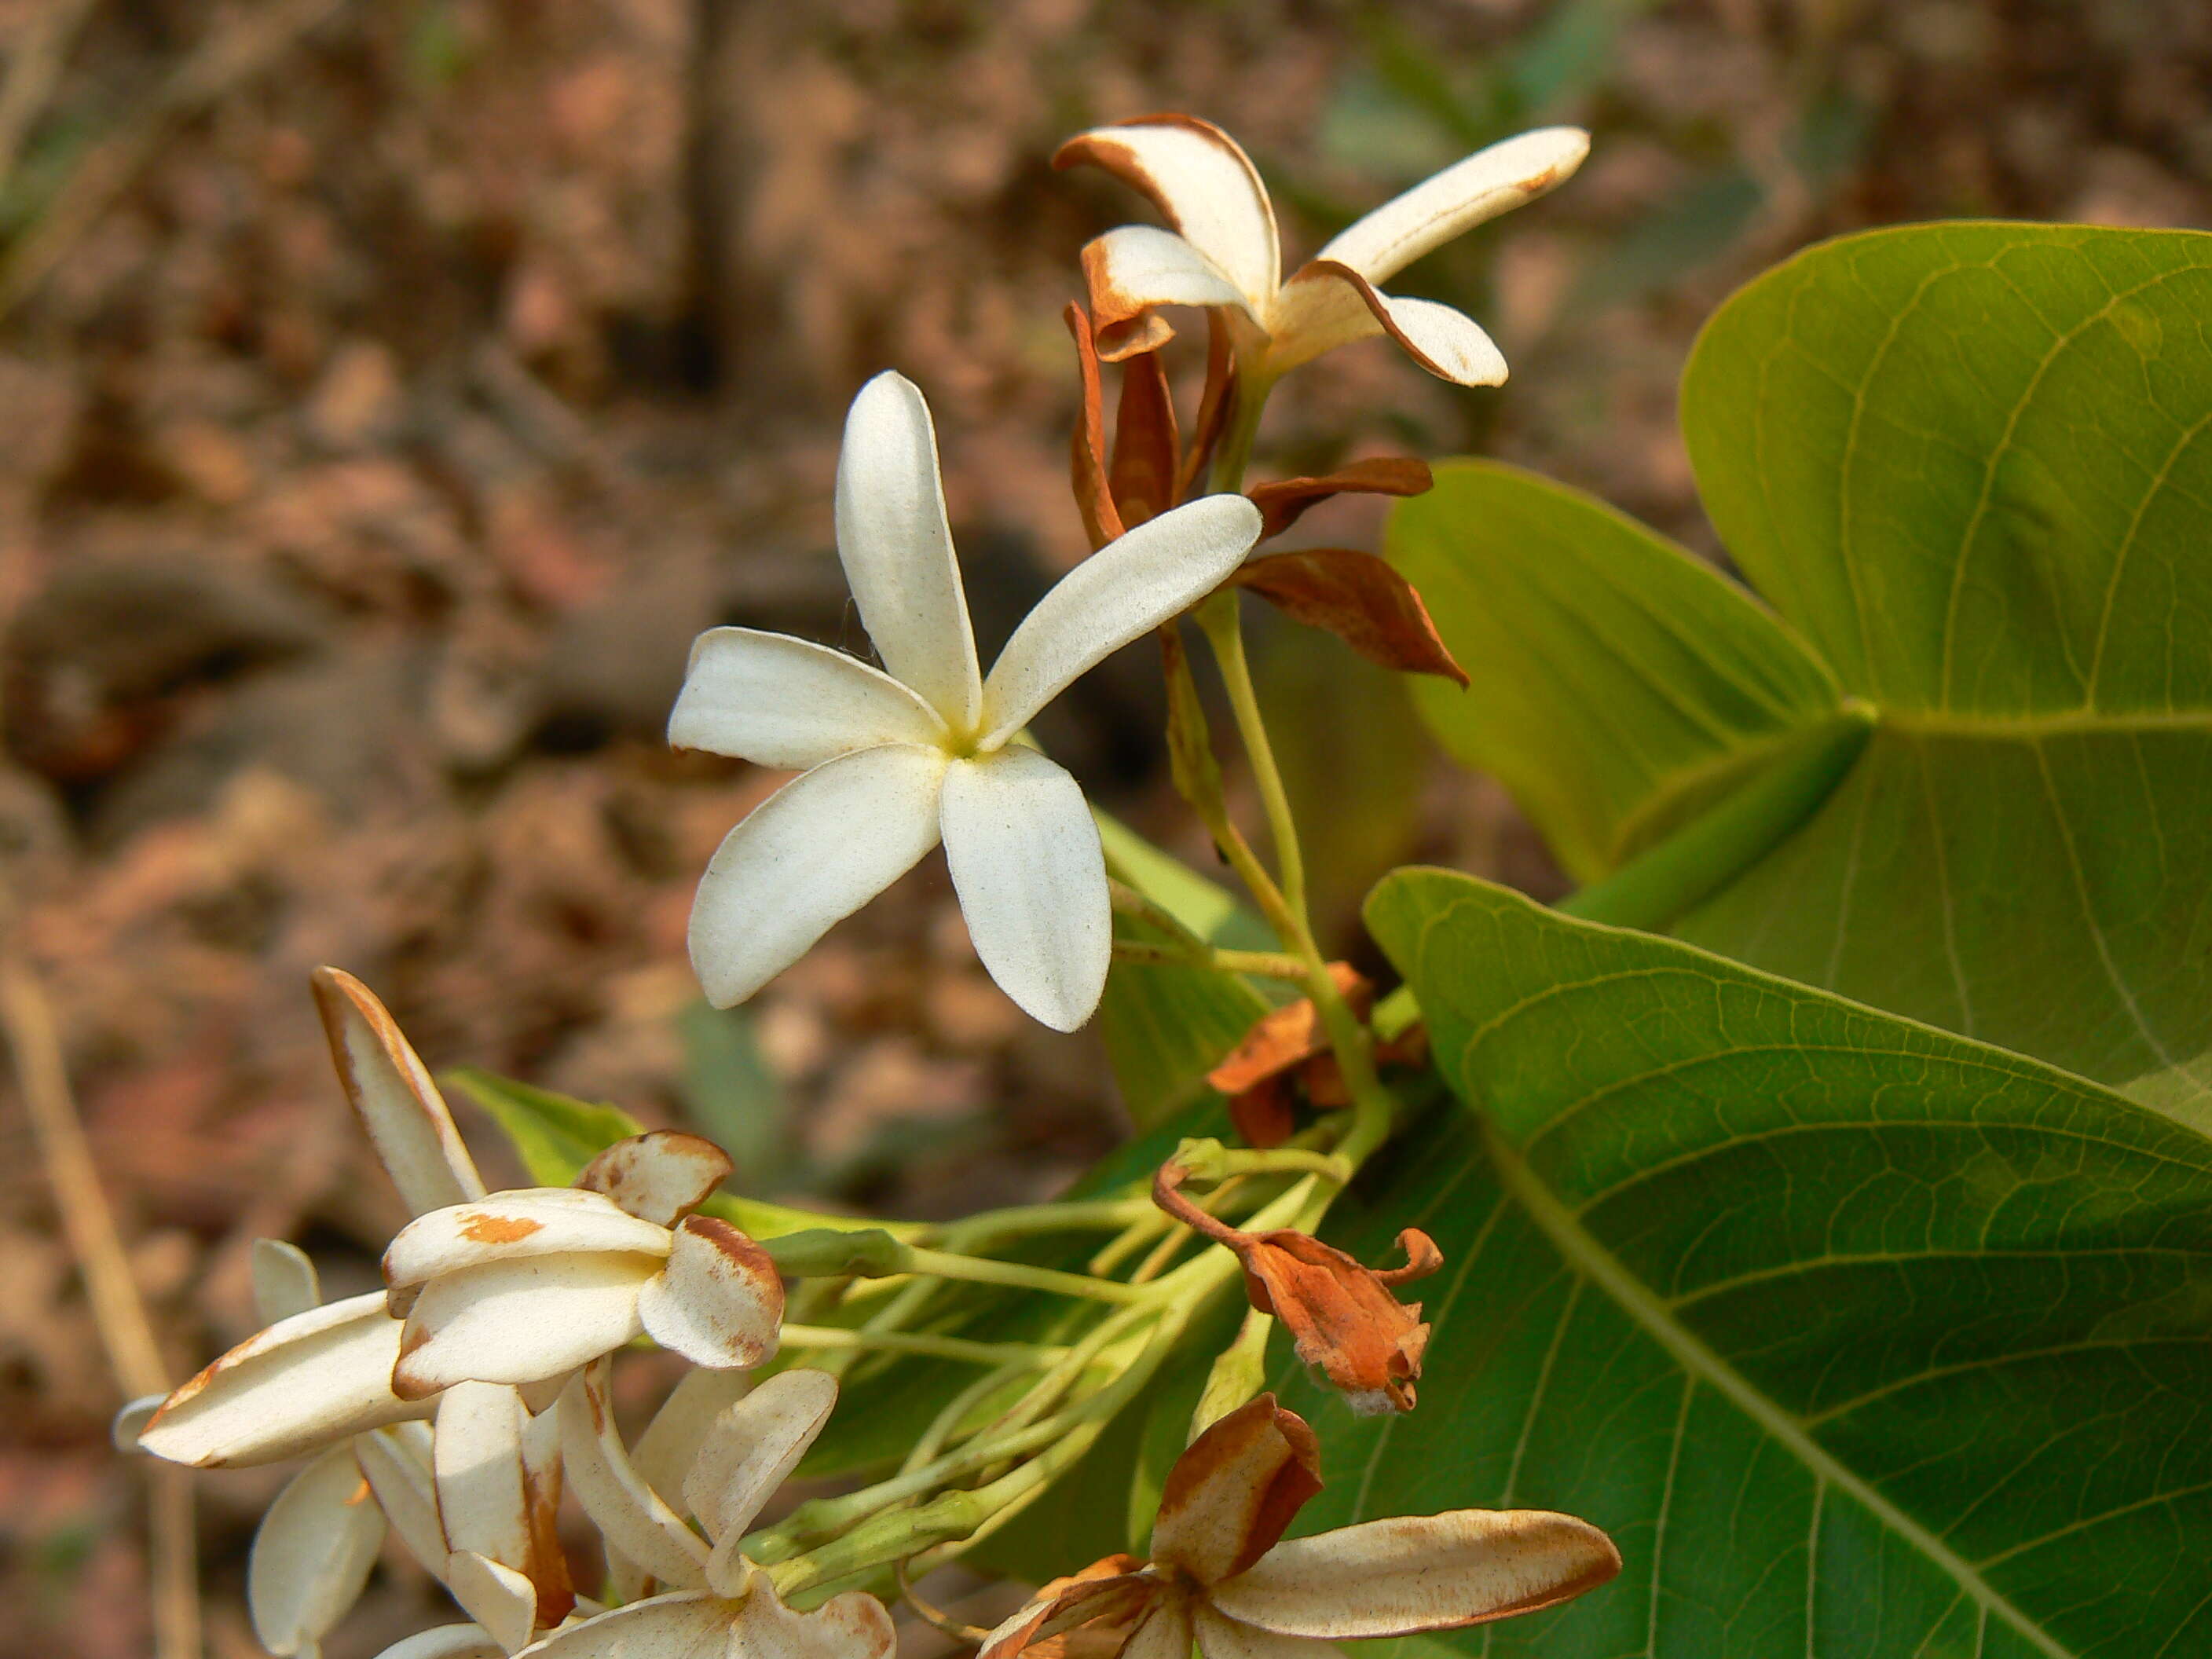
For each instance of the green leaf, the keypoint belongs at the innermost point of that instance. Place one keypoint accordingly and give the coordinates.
(556, 1135)
(1972, 465)
(1620, 683)
(731, 1094)
(1166, 1028)
(1860, 1338)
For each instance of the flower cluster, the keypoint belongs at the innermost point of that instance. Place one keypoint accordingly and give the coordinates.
(462, 1406)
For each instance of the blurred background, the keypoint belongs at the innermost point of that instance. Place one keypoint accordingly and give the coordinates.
(391, 389)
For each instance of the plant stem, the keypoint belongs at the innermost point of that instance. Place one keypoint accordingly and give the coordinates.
(1264, 964)
(941, 1347)
(983, 1270)
(1219, 618)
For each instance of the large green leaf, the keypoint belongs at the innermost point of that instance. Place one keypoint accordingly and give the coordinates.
(1861, 1339)
(1971, 466)
(1618, 683)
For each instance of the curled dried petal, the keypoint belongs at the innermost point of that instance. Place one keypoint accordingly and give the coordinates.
(1235, 1490)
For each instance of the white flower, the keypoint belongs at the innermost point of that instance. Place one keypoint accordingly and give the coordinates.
(1225, 250)
(717, 1605)
(527, 1285)
(897, 759)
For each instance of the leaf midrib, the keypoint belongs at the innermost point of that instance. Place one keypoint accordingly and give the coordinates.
(1586, 1256)
(2028, 728)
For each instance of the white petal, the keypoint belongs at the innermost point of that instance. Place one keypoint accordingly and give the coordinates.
(1199, 177)
(398, 1469)
(516, 1322)
(130, 1422)
(1320, 310)
(501, 1600)
(627, 1511)
(897, 549)
(475, 1463)
(1031, 878)
(853, 1626)
(312, 1552)
(720, 1300)
(671, 1443)
(686, 1626)
(777, 700)
(807, 857)
(285, 1281)
(659, 1176)
(513, 1225)
(398, 1105)
(1224, 1638)
(1128, 587)
(753, 1447)
(1413, 1573)
(1489, 182)
(1165, 1633)
(1129, 270)
(304, 1383)
(446, 1642)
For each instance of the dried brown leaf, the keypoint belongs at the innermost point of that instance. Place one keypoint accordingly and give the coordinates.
(1360, 599)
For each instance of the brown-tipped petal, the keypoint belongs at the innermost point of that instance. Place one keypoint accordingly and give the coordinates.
(1282, 504)
(1360, 598)
(398, 1105)
(1201, 182)
(1127, 272)
(853, 1625)
(750, 1452)
(1224, 1638)
(1282, 1037)
(1489, 182)
(499, 1598)
(312, 1553)
(1087, 464)
(1447, 343)
(395, 1463)
(1234, 1489)
(304, 1383)
(513, 1226)
(686, 1626)
(660, 1176)
(476, 1463)
(627, 1511)
(1111, 1591)
(285, 1281)
(517, 1322)
(1415, 1573)
(1147, 449)
(128, 1423)
(1341, 1316)
(720, 1303)
(670, 1445)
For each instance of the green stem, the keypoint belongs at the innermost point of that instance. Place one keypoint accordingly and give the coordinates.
(1263, 964)
(1222, 622)
(941, 1347)
(983, 1270)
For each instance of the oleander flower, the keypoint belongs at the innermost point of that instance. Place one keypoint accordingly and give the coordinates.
(715, 1605)
(1220, 1574)
(1224, 251)
(525, 1286)
(896, 759)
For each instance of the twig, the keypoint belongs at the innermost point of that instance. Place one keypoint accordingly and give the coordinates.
(117, 1312)
(32, 72)
(213, 68)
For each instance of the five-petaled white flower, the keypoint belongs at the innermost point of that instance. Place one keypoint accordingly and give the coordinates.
(898, 760)
(713, 1603)
(525, 1286)
(1220, 1575)
(1224, 251)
